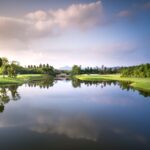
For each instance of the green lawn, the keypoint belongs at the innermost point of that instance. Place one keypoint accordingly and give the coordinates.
(137, 83)
(20, 79)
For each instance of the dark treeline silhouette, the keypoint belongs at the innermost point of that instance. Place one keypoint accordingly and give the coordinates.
(142, 70)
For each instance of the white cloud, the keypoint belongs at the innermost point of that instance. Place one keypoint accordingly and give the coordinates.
(38, 15)
(41, 23)
(82, 15)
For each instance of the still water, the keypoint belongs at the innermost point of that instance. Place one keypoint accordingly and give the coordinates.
(70, 115)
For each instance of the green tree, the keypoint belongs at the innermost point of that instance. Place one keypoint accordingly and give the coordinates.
(1, 62)
(76, 70)
(47, 65)
(40, 66)
(49, 71)
(141, 71)
(12, 70)
(5, 63)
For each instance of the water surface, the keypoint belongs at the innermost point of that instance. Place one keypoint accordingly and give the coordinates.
(67, 114)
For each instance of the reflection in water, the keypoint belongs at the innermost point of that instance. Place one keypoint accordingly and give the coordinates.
(45, 83)
(60, 123)
(14, 93)
(123, 85)
(76, 83)
(8, 93)
(65, 116)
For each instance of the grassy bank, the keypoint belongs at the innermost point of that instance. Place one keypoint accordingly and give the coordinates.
(21, 79)
(137, 83)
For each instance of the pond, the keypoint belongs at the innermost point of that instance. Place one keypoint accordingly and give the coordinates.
(70, 114)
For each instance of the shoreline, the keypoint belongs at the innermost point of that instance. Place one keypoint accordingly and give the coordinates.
(142, 84)
(20, 79)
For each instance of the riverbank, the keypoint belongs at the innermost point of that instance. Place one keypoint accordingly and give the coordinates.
(137, 83)
(20, 79)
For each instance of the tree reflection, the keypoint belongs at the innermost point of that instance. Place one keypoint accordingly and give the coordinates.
(144, 93)
(14, 93)
(8, 93)
(1, 108)
(76, 83)
(45, 83)
(122, 84)
(4, 95)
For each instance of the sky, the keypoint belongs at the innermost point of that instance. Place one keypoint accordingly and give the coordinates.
(82, 32)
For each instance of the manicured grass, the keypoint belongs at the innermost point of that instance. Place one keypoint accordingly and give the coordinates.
(21, 79)
(138, 83)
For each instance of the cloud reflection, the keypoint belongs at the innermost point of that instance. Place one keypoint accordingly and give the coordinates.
(76, 127)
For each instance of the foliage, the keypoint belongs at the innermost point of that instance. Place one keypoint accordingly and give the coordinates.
(100, 70)
(141, 71)
(48, 70)
(76, 70)
(13, 68)
(4, 66)
(1, 62)
(94, 70)
(41, 69)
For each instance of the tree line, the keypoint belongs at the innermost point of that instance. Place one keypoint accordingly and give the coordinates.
(76, 70)
(12, 68)
(141, 71)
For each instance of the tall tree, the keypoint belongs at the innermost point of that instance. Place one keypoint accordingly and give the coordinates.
(1, 62)
(5, 63)
(40, 66)
(47, 65)
(13, 68)
(76, 70)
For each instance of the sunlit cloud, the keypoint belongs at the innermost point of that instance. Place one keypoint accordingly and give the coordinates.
(41, 23)
(77, 15)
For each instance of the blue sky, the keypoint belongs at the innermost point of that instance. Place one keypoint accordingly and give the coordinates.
(68, 32)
